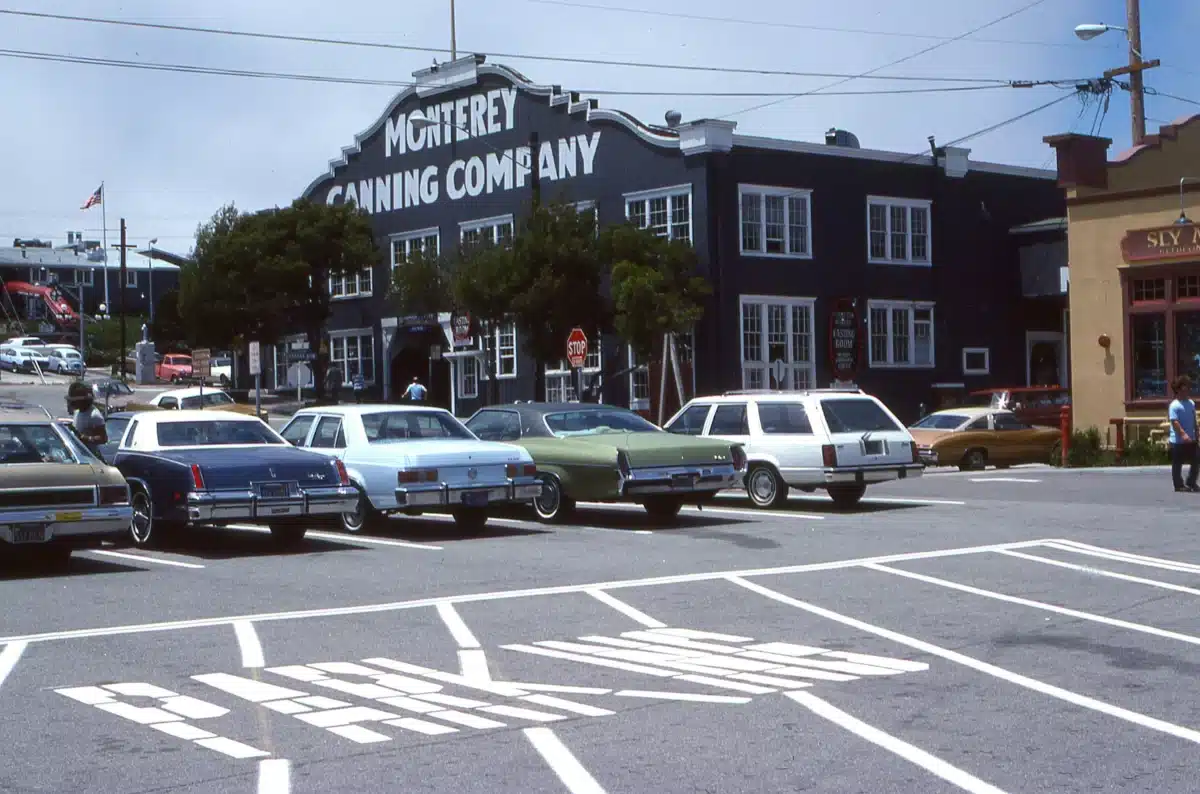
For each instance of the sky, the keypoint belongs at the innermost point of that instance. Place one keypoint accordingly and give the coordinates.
(173, 147)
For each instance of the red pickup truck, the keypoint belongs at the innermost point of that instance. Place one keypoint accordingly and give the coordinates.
(174, 367)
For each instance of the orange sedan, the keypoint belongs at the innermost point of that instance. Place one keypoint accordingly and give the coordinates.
(973, 438)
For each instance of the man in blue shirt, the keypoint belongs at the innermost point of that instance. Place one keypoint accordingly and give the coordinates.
(416, 392)
(1182, 414)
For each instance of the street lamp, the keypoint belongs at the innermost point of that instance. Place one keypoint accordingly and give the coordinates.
(150, 278)
(1137, 64)
(1089, 32)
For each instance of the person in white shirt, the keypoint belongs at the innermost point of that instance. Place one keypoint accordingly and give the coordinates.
(86, 420)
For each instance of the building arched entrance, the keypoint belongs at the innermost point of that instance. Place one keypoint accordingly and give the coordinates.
(411, 359)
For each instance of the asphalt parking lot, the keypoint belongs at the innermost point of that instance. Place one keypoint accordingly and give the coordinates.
(1028, 630)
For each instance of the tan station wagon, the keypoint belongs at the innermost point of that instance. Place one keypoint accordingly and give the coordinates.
(55, 496)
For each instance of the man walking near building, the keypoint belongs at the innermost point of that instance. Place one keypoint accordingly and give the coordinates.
(415, 391)
(333, 382)
(1182, 415)
(86, 420)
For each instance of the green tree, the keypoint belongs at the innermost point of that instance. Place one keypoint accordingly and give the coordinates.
(260, 275)
(422, 284)
(484, 285)
(167, 330)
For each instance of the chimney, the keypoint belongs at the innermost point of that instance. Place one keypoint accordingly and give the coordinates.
(1082, 159)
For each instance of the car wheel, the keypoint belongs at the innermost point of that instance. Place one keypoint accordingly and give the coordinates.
(846, 496)
(974, 460)
(144, 530)
(663, 509)
(363, 517)
(287, 536)
(765, 487)
(553, 506)
(470, 519)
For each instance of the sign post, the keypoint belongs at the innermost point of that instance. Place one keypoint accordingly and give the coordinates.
(299, 355)
(577, 350)
(202, 368)
(256, 371)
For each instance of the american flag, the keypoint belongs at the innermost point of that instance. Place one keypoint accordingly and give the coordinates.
(94, 199)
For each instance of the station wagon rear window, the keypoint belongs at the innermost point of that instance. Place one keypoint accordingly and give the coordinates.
(214, 433)
(387, 426)
(32, 444)
(210, 399)
(575, 423)
(940, 422)
(784, 418)
(856, 415)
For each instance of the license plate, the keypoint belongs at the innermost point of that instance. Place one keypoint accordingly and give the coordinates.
(273, 491)
(68, 516)
(683, 480)
(475, 498)
(29, 533)
(872, 447)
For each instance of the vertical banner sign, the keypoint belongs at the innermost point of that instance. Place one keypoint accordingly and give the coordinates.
(461, 326)
(844, 339)
(577, 348)
(255, 359)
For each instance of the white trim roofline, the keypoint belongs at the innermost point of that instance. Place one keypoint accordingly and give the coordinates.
(880, 155)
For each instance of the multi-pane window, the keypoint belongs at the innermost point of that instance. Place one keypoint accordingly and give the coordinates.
(425, 241)
(280, 366)
(351, 284)
(639, 382)
(775, 221)
(1163, 327)
(1188, 287)
(488, 230)
(1149, 289)
(667, 213)
(900, 334)
(506, 350)
(83, 277)
(558, 375)
(777, 343)
(354, 353)
(131, 279)
(898, 230)
(468, 376)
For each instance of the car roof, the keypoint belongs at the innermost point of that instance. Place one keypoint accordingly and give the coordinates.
(192, 391)
(970, 411)
(775, 396)
(541, 409)
(124, 414)
(192, 415)
(359, 410)
(24, 413)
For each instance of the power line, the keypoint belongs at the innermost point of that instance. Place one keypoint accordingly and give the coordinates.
(869, 74)
(798, 26)
(998, 125)
(1156, 92)
(498, 55)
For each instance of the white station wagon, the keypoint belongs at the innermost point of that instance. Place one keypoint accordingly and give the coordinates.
(835, 439)
(413, 459)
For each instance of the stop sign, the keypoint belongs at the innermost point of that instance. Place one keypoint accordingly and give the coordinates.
(577, 347)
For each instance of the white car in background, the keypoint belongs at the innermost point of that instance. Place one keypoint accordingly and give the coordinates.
(65, 360)
(22, 359)
(837, 440)
(412, 459)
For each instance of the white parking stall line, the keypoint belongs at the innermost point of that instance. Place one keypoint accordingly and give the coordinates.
(1001, 479)
(9, 658)
(866, 500)
(1122, 556)
(914, 755)
(564, 764)
(247, 640)
(626, 610)
(458, 629)
(349, 538)
(1065, 695)
(504, 595)
(1026, 602)
(120, 555)
(274, 776)
(1178, 588)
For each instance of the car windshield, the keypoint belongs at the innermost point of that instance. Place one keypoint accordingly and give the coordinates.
(387, 426)
(940, 422)
(115, 428)
(612, 420)
(856, 415)
(215, 433)
(33, 443)
(206, 400)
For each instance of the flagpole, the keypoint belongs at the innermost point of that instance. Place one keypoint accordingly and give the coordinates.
(104, 237)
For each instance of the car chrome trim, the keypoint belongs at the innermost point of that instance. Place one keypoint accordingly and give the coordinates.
(519, 489)
(233, 505)
(93, 523)
(681, 479)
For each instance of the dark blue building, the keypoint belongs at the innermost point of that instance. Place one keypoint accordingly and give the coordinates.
(828, 261)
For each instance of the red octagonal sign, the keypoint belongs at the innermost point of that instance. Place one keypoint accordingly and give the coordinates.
(577, 347)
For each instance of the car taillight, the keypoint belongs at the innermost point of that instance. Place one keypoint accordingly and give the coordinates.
(510, 470)
(529, 469)
(520, 470)
(829, 455)
(739, 457)
(114, 494)
(623, 463)
(916, 453)
(417, 475)
(343, 475)
(197, 477)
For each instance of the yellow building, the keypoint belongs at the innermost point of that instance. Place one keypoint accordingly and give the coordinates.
(1134, 263)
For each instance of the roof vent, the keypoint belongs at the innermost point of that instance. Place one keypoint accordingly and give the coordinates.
(836, 137)
(674, 117)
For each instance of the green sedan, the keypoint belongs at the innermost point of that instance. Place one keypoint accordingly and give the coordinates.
(601, 453)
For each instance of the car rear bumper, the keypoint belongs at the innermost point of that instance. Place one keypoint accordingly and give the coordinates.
(208, 506)
(519, 489)
(928, 456)
(680, 480)
(852, 475)
(81, 527)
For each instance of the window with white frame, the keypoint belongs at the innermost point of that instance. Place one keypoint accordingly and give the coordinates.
(667, 212)
(425, 241)
(976, 361)
(353, 352)
(639, 382)
(900, 333)
(468, 376)
(778, 343)
(898, 230)
(351, 284)
(280, 366)
(491, 230)
(558, 375)
(131, 278)
(84, 277)
(506, 350)
(775, 221)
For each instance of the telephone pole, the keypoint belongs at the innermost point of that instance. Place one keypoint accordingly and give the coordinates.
(121, 280)
(1137, 93)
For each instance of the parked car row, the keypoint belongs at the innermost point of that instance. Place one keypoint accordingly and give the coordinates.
(31, 354)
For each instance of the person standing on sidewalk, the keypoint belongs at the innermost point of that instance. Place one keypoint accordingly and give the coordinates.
(1182, 415)
(360, 385)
